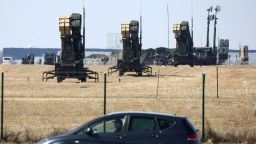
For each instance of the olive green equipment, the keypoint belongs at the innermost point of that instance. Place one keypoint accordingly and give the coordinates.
(243, 54)
(28, 59)
(130, 61)
(183, 54)
(70, 61)
(223, 49)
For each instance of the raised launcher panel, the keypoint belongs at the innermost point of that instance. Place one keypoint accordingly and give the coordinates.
(64, 25)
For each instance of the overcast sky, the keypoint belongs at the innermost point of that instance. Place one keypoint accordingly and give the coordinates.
(35, 22)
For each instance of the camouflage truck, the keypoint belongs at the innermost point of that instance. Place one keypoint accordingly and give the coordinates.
(206, 56)
(49, 58)
(203, 56)
(28, 59)
(183, 54)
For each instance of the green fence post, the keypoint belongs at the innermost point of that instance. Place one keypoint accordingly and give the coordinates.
(157, 87)
(105, 92)
(2, 107)
(203, 104)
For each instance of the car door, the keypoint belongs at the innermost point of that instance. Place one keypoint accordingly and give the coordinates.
(104, 131)
(171, 132)
(167, 135)
(140, 130)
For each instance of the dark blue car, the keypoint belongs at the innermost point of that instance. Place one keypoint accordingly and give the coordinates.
(131, 128)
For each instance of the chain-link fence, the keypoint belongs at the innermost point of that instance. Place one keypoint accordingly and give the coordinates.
(39, 108)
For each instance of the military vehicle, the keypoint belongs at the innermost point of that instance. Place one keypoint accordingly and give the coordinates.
(183, 54)
(70, 63)
(208, 55)
(130, 61)
(223, 51)
(28, 59)
(163, 56)
(8, 60)
(49, 58)
(244, 54)
(158, 56)
(203, 56)
(148, 56)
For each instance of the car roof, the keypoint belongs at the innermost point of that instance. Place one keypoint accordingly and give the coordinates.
(146, 113)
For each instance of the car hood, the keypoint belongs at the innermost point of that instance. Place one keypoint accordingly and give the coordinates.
(50, 139)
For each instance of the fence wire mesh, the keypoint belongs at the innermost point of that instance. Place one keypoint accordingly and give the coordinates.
(43, 108)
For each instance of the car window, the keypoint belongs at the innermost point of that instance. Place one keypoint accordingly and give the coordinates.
(165, 124)
(189, 125)
(141, 124)
(108, 126)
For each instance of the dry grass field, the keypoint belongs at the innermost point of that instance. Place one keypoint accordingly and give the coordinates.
(34, 109)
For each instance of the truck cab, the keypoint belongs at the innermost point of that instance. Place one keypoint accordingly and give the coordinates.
(8, 60)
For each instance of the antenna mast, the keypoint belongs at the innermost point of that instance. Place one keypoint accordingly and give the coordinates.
(140, 28)
(168, 38)
(192, 30)
(83, 31)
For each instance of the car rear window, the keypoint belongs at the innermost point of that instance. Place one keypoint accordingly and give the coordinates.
(165, 124)
(141, 124)
(189, 125)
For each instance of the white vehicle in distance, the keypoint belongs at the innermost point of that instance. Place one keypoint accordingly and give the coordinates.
(8, 60)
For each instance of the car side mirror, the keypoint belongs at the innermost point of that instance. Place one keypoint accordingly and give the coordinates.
(89, 131)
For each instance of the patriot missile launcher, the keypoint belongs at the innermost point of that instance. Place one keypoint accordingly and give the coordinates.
(130, 61)
(72, 54)
(183, 54)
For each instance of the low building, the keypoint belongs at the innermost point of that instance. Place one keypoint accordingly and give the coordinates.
(18, 53)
